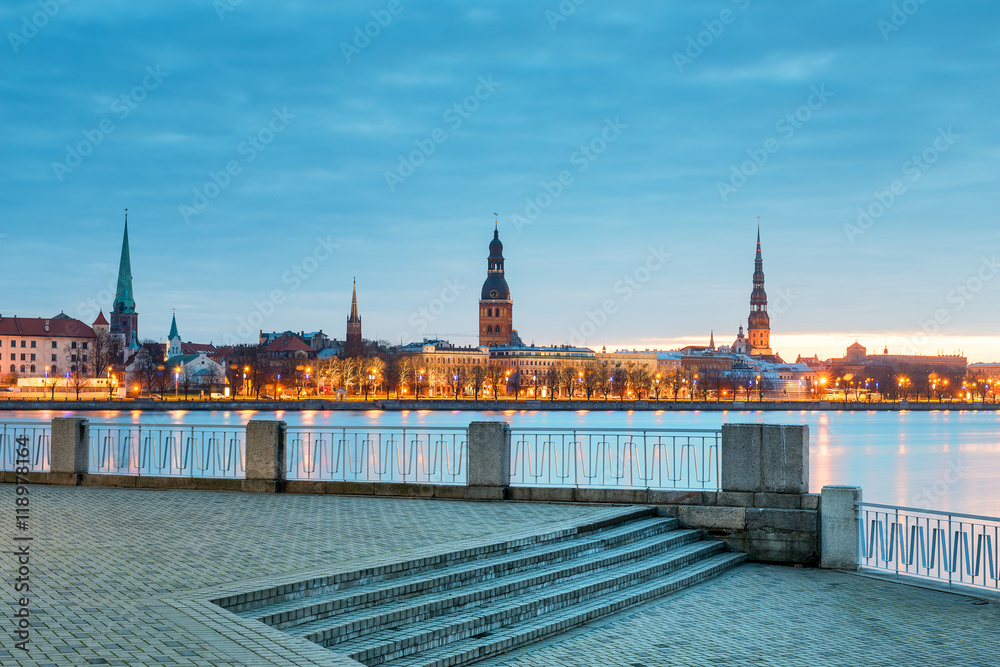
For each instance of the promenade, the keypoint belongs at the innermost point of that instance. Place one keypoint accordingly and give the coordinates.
(122, 577)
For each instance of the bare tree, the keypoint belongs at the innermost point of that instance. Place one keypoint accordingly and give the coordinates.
(551, 380)
(674, 380)
(477, 377)
(495, 375)
(567, 379)
(593, 376)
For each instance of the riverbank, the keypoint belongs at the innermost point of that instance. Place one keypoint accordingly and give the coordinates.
(491, 406)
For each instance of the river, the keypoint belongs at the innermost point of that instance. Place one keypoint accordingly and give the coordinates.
(947, 460)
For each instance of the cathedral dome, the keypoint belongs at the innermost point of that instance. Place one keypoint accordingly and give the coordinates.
(495, 287)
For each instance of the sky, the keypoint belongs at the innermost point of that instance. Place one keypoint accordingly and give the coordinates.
(270, 153)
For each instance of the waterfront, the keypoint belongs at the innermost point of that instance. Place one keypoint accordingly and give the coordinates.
(946, 460)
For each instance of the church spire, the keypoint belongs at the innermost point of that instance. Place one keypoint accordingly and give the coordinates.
(124, 301)
(173, 328)
(354, 304)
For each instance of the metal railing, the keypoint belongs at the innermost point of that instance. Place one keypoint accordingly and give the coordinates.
(191, 450)
(959, 549)
(402, 455)
(618, 458)
(36, 437)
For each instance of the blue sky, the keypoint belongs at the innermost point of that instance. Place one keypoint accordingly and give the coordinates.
(384, 156)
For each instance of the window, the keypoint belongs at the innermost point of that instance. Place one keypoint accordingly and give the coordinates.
(53, 345)
(24, 343)
(32, 357)
(13, 369)
(85, 346)
(72, 345)
(22, 368)
(33, 343)
(13, 343)
(85, 358)
(22, 356)
(32, 369)
(53, 358)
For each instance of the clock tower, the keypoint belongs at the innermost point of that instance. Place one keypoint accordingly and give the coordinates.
(495, 317)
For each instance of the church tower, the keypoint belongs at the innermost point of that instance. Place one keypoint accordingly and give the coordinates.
(174, 343)
(495, 316)
(354, 344)
(124, 319)
(759, 323)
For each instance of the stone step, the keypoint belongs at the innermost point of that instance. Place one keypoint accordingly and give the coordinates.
(246, 603)
(488, 643)
(320, 605)
(410, 609)
(409, 638)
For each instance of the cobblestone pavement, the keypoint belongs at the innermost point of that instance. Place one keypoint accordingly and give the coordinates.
(772, 615)
(122, 576)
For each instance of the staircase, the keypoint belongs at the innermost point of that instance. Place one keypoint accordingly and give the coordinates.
(462, 607)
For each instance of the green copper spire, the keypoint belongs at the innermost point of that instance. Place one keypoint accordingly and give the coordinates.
(124, 301)
(173, 329)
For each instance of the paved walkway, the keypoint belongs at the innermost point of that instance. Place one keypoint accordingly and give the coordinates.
(123, 576)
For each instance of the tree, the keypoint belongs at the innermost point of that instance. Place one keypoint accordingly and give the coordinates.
(459, 378)
(619, 379)
(104, 351)
(495, 375)
(604, 381)
(568, 376)
(551, 380)
(392, 374)
(593, 378)
(144, 368)
(477, 377)
(673, 380)
(640, 378)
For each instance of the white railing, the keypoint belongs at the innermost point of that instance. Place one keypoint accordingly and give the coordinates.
(959, 549)
(15, 436)
(658, 459)
(400, 455)
(191, 450)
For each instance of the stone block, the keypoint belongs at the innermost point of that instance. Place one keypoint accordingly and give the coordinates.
(486, 493)
(451, 492)
(783, 501)
(543, 494)
(620, 496)
(403, 490)
(117, 481)
(265, 453)
(741, 457)
(784, 520)
(785, 459)
(349, 488)
(712, 518)
(810, 501)
(260, 485)
(839, 527)
(304, 486)
(782, 536)
(735, 499)
(679, 498)
(489, 454)
(70, 446)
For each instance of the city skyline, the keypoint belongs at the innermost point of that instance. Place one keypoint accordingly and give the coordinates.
(602, 138)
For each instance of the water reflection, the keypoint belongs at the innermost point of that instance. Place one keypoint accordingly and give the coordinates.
(938, 460)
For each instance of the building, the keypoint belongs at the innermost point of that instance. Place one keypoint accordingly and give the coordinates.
(496, 317)
(289, 346)
(354, 343)
(124, 319)
(759, 322)
(618, 358)
(534, 358)
(53, 347)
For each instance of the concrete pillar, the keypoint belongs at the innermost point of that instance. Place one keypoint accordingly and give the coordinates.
(785, 459)
(69, 457)
(741, 458)
(265, 456)
(489, 459)
(838, 527)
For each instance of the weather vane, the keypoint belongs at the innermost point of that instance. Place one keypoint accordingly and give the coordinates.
(497, 221)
